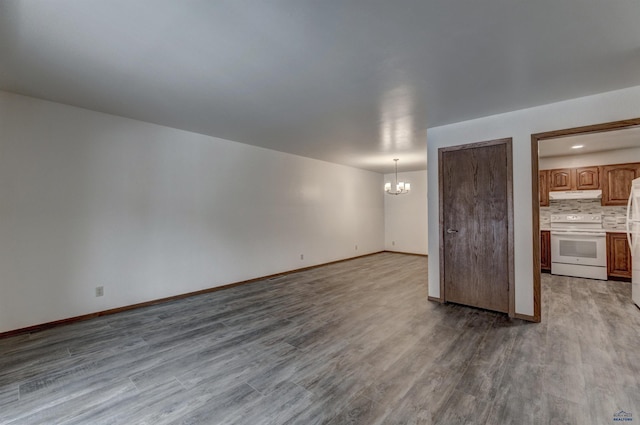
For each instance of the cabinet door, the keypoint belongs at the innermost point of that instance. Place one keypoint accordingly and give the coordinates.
(562, 179)
(617, 182)
(618, 255)
(543, 183)
(588, 178)
(545, 250)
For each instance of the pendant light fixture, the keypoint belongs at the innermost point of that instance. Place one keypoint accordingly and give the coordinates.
(401, 187)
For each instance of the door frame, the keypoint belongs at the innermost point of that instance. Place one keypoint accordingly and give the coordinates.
(510, 244)
(535, 193)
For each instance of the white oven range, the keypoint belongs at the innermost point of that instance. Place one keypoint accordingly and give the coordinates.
(578, 246)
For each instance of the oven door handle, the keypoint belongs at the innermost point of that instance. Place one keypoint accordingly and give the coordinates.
(571, 233)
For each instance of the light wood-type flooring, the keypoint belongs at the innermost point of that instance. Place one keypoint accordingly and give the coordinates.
(354, 342)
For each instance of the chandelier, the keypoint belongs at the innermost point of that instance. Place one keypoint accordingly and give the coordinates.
(401, 187)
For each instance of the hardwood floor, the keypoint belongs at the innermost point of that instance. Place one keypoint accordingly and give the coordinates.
(350, 343)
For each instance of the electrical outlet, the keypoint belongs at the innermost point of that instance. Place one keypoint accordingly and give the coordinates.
(356, 247)
(393, 243)
(302, 256)
(99, 291)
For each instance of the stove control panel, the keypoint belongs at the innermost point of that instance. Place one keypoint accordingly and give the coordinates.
(577, 218)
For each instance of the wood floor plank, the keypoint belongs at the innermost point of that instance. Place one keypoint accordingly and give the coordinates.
(283, 402)
(563, 411)
(86, 403)
(352, 342)
(361, 411)
(513, 406)
(462, 408)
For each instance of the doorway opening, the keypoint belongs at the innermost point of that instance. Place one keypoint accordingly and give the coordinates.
(536, 192)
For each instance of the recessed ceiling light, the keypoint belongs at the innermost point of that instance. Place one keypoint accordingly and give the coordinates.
(577, 146)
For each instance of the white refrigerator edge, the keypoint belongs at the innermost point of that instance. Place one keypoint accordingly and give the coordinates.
(633, 237)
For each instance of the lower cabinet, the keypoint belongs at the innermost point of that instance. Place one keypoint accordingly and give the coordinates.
(545, 250)
(618, 256)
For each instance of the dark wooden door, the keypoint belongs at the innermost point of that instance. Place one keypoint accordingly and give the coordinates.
(476, 211)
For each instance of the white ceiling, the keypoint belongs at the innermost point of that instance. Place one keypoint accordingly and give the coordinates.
(351, 82)
(592, 142)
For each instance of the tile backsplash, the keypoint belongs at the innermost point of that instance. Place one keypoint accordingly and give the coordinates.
(613, 218)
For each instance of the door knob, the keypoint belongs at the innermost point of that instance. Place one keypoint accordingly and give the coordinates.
(452, 231)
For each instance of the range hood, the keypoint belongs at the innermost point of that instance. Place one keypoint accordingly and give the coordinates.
(575, 194)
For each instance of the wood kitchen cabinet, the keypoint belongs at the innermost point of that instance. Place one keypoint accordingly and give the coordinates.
(618, 256)
(545, 250)
(582, 178)
(587, 178)
(562, 179)
(543, 183)
(614, 180)
(617, 182)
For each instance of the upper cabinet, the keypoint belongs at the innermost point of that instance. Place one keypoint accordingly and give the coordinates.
(562, 179)
(583, 178)
(543, 182)
(614, 180)
(587, 178)
(617, 182)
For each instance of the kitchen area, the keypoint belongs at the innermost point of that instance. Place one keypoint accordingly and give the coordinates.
(586, 216)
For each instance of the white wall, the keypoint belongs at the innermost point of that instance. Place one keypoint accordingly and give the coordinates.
(519, 125)
(405, 222)
(618, 156)
(88, 199)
